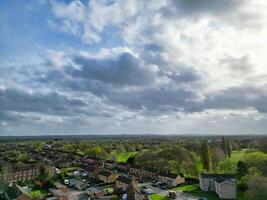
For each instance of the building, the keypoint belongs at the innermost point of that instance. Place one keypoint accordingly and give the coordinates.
(94, 192)
(123, 166)
(26, 172)
(92, 171)
(106, 176)
(135, 170)
(223, 184)
(123, 182)
(80, 185)
(110, 164)
(88, 160)
(171, 179)
(149, 173)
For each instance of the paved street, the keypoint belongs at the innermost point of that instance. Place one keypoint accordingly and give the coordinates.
(158, 190)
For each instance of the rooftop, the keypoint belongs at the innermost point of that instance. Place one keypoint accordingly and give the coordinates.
(124, 179)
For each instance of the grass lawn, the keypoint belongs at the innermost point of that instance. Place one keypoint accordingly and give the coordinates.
(38, 193)
(108, 190)
(123, 157)
(238, 155)
(195, 191)
(158, 197)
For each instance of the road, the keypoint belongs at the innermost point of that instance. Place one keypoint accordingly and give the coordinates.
(180, 195)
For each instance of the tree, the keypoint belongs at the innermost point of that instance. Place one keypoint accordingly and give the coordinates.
(227, 166)
(263, 145)
(242, 169)
(4, 177)
(43, 175)
(228, 148)
(206, 156)
(94, 151)
(217, 156)
(257, 188)
(130, 160)
(224, 146)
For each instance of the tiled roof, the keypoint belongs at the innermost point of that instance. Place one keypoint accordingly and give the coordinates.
(123, 164)
(104, 173)
(136, 167)
(124, 179)
(222, 179)
(226, 176)
(110, 161)
(170, 175)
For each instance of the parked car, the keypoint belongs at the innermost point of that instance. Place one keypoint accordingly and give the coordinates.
(143, 191)
(148, 191)
(155, 180)
(141, 180)
(143, 187)
(157, 184)
(164, 187)
(202, 198)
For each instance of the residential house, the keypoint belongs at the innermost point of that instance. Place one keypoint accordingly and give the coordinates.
(122, 166)
(135, 170)
(88, 160)
(94, 192)
(110, 164)
(92, 171)
(27, 172)
(171, 179)
(106, 176)
(80, 185)
(149, 173)
(223, 184)
(63, 162)
(123, 182)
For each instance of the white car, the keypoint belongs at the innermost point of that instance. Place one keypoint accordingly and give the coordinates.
(66, 182)
(76, 173)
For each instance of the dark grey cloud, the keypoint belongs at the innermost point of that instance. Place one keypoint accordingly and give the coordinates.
(52, 103)
(238, 98)
(187, 76)
(206, 6)
(125, 70)
(154, 99)
(232, 12)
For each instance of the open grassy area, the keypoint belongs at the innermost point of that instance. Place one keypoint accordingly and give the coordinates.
(195, 191)
(158, 197)
(238, 155)
(39, 193)
(123, 157)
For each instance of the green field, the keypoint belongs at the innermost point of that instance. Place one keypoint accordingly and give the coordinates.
(123, 157)
(195, 191)
(238, 155)
(158, 197)
(38, 193)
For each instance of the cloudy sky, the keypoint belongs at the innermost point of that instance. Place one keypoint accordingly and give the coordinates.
(133, 67)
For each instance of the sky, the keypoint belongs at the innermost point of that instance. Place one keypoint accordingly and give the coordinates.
(133, 67)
